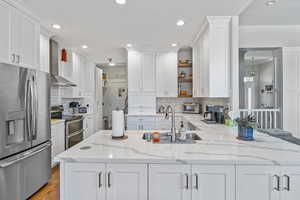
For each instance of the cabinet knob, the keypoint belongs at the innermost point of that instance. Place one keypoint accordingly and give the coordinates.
(13, 58)
(197, 181)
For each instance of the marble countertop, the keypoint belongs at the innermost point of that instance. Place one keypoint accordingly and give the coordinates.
(218, 146)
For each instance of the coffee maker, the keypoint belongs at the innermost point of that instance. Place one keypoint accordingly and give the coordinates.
(214, 114)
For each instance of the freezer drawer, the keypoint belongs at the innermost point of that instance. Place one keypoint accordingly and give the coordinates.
(24, 174)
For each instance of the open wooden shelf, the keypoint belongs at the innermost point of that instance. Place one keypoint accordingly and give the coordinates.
(185, 96)
(185, 65)
(185, 81)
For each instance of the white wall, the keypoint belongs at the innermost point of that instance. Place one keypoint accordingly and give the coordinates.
(269, 36)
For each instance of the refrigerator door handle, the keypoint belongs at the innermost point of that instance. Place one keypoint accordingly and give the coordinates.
(34, 109)
(28, 109)
(9, 162)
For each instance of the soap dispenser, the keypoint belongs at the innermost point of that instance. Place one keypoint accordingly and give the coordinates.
(182, 131)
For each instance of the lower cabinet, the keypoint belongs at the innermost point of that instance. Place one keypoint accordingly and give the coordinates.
(215, 182)
(101, 181)
(169, 182)
(268, 182)
(127, 182)
(57, 139)
(197, 182)
(84, 181)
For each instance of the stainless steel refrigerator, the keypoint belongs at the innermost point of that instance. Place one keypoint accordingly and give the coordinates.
(25, 147)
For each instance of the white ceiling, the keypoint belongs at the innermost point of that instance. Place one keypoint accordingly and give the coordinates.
(106, 26)
(284, 12)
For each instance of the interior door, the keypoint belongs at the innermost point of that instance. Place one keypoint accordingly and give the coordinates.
(169, 182)
(123, 178)
(41, 85)
(13, 88)
(98, 100)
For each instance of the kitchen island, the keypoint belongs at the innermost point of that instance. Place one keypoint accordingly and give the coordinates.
(217, 167)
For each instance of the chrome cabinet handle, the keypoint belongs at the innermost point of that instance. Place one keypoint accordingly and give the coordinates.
(108, 180)
(287, 187)
(187, 181)
(197, 181)
(18, 59)
(13, 58)
(100, 179)
(277, 186)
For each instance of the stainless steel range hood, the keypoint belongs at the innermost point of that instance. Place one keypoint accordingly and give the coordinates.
(56, 79)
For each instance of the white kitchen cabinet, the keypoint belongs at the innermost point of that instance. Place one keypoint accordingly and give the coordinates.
(141, 123)
(85, 181)
(291, 90)
(105, 181)
(169, 182)
(141, 82)
(257, 182)
(44, 53)
(215, 182)
(57, 139)
(290, 182)
(166, 74)
(212, 59)
(5, 13)
(25, 38)
(98, 101)
(20, 38)
(127, 182)
(141, 72)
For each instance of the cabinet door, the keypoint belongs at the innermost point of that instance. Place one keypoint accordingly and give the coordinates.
(15, 39)
(257, 182)
(290, 183)
(134, 72)
(166, 74)
(126, 182)
(44, 53)
(60, 134)
(85, 181)
(29, 47)
(148, 73)
(213, 182)
(169, 182)
(5, 33)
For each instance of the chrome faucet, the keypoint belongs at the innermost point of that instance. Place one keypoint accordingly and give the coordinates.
(173, 128)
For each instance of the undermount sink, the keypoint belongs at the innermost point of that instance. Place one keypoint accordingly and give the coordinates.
(165, 138)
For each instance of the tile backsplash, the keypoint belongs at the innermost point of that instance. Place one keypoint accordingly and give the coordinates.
(165, 101)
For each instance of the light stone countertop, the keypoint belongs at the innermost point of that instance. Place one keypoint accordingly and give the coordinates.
(57, 121)
(218, 146)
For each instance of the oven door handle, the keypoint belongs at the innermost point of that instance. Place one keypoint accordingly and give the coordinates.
(76, 133)
(74, 121)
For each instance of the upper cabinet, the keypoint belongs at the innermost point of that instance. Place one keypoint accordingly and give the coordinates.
(166, 74)
(44, 53)
(212, 59)
(5, 11)
(20, 38)
(141, 72)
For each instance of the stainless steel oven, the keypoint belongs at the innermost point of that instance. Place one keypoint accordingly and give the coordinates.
(74, 130)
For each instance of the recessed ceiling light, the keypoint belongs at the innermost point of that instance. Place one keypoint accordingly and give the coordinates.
(180, 22)
(84, 46)
(121, 2)
(270, 3)
(128, 45)
(174, 45)
(56, 26)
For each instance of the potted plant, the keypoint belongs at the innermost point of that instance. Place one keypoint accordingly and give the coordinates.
(246, 127)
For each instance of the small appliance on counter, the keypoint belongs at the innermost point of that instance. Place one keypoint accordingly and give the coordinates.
(192, 108)
(74, 105)
(214, 114)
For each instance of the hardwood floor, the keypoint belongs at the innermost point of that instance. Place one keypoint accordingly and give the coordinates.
(51, 190)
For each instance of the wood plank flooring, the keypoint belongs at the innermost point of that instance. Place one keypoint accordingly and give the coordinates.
(51, 190)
